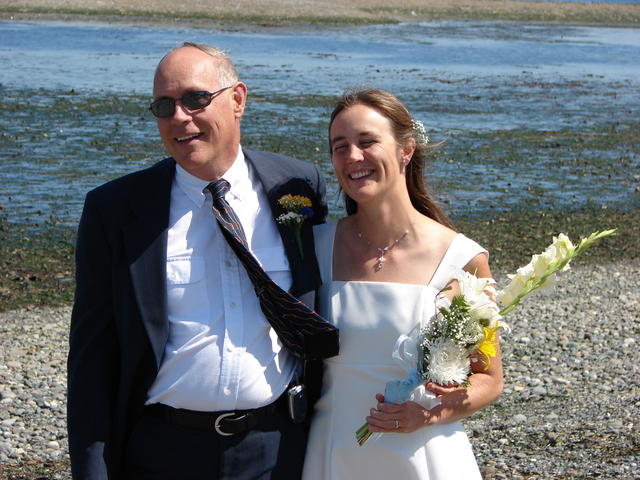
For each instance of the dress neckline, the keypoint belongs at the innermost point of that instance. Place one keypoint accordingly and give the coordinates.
(334, 227)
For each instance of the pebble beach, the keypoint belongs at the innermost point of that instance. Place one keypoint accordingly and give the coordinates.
(571, 402)
(569, 409)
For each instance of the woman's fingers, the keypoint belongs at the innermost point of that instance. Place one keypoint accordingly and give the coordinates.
(389, 407)
(401, 418)
(384, 422)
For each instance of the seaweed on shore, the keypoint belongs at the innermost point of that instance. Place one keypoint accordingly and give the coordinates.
(37, 265)
(38, 269)
(512, 237)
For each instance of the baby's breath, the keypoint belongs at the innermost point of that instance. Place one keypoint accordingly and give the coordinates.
(420, 131)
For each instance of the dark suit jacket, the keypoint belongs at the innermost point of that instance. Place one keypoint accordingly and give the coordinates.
(119, 322)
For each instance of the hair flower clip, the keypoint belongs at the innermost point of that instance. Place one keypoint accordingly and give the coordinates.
(297, 209)
(420, 131)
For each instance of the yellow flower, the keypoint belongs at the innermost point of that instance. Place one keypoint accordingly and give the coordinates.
(293, 203)
(487, 347)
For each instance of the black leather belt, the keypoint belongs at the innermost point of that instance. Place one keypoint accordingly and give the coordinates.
(224, 423)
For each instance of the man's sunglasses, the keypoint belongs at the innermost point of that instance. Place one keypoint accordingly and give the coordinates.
(166, 106)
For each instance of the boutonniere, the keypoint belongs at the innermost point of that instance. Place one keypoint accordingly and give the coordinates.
(297, 209)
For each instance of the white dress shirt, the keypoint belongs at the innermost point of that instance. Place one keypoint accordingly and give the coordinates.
(221, 354)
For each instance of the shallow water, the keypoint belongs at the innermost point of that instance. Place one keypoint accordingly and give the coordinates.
(535, 115)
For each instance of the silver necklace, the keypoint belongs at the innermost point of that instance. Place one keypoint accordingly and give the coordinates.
(382, 251)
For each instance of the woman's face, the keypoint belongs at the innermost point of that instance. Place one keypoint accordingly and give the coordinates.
(366, 156)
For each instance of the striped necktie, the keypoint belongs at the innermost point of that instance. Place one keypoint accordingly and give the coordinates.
(301, 330)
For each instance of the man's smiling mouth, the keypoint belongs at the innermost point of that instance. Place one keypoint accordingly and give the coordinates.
(188, 137)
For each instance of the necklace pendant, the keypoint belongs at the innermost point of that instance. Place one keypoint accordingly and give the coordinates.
(381, 250)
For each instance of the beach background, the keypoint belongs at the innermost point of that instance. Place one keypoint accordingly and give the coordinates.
(280, 12)
(572, 398)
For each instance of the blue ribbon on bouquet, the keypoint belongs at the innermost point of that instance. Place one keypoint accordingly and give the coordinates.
(406, 351)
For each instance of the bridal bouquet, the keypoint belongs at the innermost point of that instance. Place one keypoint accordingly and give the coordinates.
(440, 349)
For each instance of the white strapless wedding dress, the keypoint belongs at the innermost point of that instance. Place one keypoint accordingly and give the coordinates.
(371, 316)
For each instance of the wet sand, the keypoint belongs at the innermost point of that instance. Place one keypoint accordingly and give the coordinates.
(296, 12)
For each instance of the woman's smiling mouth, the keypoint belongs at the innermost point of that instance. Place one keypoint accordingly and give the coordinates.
(360, 174)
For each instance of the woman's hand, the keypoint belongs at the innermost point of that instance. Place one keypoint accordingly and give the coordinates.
(440, 390)
(397, 418)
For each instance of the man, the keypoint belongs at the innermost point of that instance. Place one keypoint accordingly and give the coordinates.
(174, 370)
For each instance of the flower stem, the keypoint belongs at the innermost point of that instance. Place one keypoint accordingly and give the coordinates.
(299, 242)
(363, 434)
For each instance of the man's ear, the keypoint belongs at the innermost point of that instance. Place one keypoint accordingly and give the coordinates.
(239, 98)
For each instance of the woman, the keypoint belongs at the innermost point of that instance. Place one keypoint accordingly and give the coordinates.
(382, 267)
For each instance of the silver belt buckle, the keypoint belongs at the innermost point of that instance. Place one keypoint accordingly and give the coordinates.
(216, 424)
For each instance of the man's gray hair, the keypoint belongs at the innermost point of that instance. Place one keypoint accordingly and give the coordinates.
(227, 74)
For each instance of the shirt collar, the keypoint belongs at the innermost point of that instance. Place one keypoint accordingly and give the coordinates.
(238, 176)
(193, 187)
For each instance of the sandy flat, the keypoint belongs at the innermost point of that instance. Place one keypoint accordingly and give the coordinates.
(274, 12)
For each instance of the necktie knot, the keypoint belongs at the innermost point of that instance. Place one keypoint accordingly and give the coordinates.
(223, 211)
(219, 188)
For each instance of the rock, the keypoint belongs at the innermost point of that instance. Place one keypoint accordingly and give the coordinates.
(540, 390)
(519, 419)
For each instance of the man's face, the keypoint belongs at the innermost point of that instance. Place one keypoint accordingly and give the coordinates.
(205, 141)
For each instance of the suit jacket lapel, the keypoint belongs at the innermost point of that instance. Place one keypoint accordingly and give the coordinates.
(275, 183)
(145, 239)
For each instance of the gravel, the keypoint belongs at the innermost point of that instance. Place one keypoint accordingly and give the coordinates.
(570, 407)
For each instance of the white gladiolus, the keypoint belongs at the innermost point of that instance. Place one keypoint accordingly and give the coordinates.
(538, 273)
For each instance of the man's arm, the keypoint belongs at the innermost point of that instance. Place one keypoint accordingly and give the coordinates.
(93, 352)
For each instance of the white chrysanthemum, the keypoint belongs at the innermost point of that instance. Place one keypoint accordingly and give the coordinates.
(448, 362)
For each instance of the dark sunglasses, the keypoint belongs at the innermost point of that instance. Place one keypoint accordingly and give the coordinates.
(166, 106)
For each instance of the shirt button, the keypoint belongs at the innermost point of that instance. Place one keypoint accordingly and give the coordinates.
(226, 391)
(232, 304)
(227, 263)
